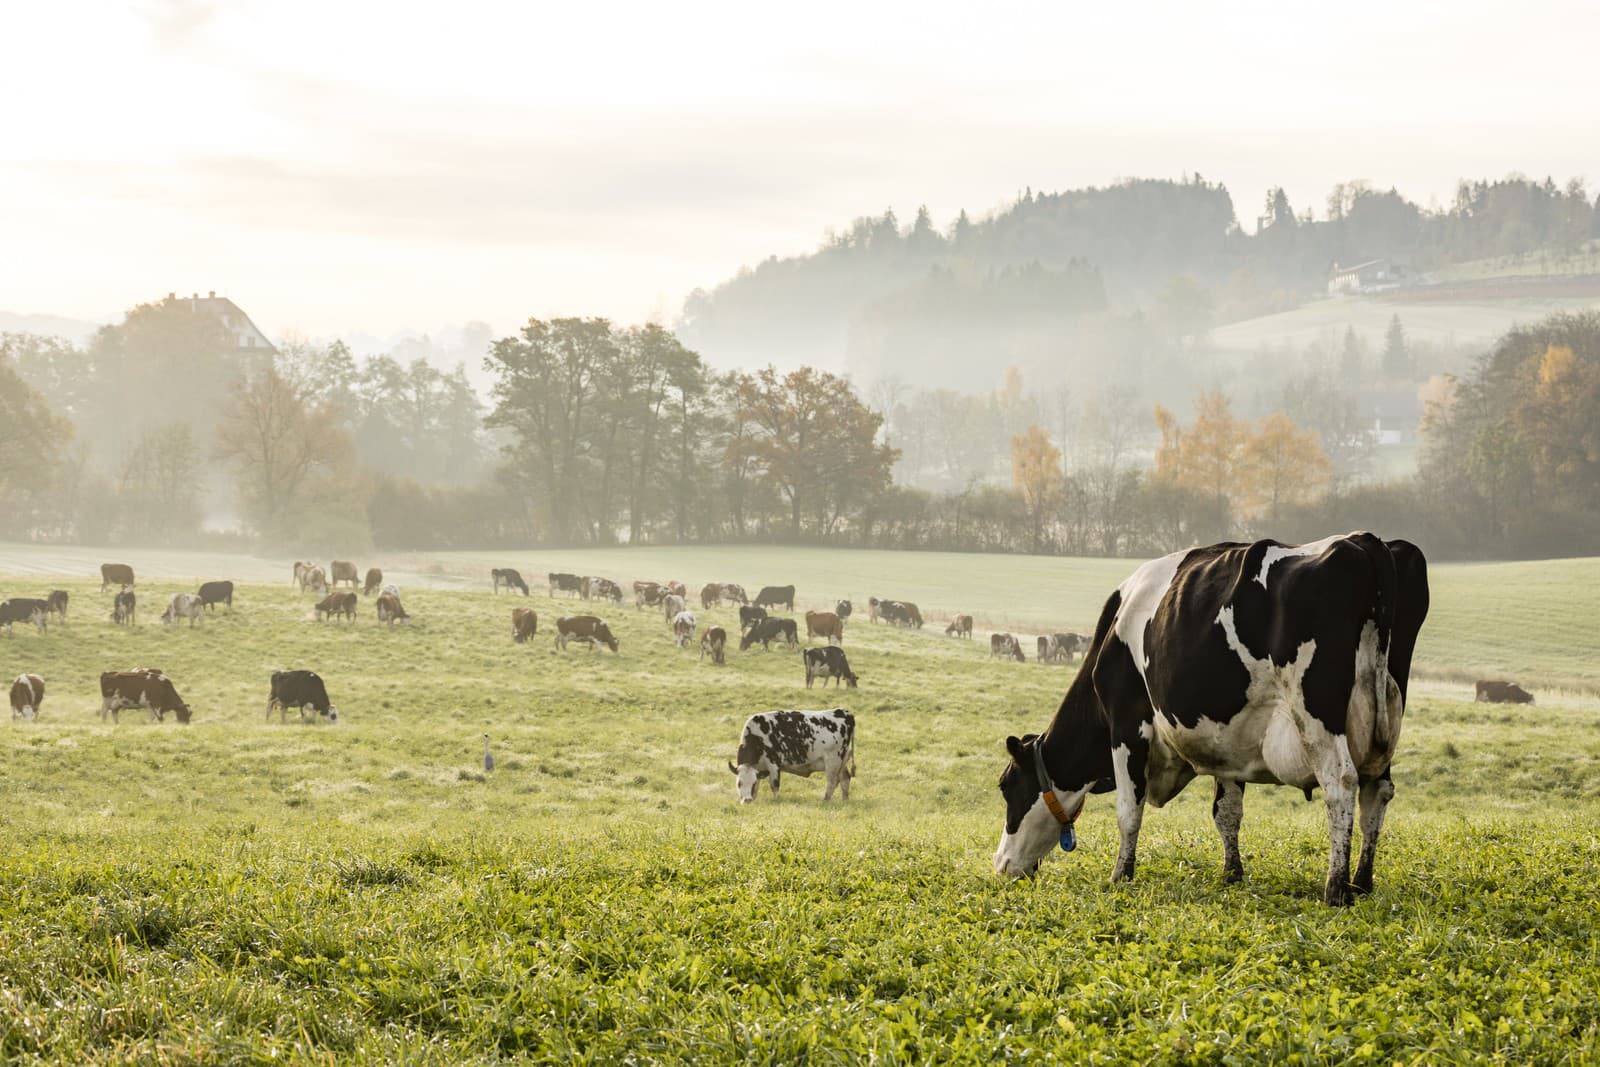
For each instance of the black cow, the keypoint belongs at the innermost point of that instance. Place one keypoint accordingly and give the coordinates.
(776, 596)
(564, 583)
(1248, 663)
(123, 609)
(57, 602)
(749, 616)
(826, 662)
(213, 593)
(23, 609)
(768, 630)
(509, 578)
(302, 690)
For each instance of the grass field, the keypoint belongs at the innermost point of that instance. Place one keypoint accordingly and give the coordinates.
(240, 890)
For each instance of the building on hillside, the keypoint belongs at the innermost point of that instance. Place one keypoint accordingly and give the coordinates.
(1392, 415)
(1370, 276)
(247, 337)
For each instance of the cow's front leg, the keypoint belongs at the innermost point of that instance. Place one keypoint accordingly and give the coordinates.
(1227, 811)
(1336, 775)
(776, 774)
(1128, 758)
(1375, 797)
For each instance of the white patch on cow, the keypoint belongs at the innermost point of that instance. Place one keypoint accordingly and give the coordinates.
(1276, 552)
(1038, 832)
(1130, 812)
(1142, 594)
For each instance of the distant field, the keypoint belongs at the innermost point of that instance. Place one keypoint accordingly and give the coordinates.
(242, 890)
(1533, 621)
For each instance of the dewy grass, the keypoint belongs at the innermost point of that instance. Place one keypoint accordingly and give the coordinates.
(245, 890)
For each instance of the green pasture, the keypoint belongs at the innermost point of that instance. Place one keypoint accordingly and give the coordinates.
(243, 890)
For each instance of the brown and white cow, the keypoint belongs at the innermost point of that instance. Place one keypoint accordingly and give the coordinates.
(678, 589)
(590, 628)
(524, 624)
(671, 605)
(715, 642)
(683, 625)
(647, 594)
(390, 610)
(1489, 691)
(1006, 646)
(118, 574)
(374, 581)
(314, 580)
(710, 595)
(142, 687)
(302, 569)
(826, 625)
(334, 604)
(184, 606)
(960, 626)
(27, 693)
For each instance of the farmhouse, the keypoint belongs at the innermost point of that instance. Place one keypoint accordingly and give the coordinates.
(246, 336)
(1368, 276)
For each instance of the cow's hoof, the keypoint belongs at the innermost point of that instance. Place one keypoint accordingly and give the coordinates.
(1361, 886)
(1230, 875)
(1338, 895)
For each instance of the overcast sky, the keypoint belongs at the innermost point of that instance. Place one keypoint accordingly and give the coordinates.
(340, 166)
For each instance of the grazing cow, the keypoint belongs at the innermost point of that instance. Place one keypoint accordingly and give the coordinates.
(118, 574)
(334, 604)
(828, 662)
(776, 596)
(768, 630)
(799, 742)
(678, 589)
(142, 687)
(1493, 692)
(391, 589)
(683, 625)
(565, 583)
(749, 616)
(714, 641)
(122, 610)
(590, 628)
(710, 595)
(843, 609)
(524, 624)
(302, 568)
(314, 581)
(212, 593)
(23, 609)
(56, 603)
(183, 606)
(343, 570)
(27, 693)
(375, 579)
(300, 690)
(826, 625)
(601, 589)
(671, 605)
(508, 577)
(1258, 663)
(647, 594)
(1060, 648)
(1007, 646)
(734, 592)
(902, 613)
(390, 611)
(960, 626)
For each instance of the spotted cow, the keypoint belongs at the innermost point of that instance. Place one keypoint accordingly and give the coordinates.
(799, 742)
(27, 693)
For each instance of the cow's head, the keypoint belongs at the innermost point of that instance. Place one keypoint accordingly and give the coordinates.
(1031, 829)
(183, 713)
(850, 679)
(748, 776)
(332, 714)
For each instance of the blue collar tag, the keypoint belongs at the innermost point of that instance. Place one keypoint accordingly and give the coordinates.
(1069, 840)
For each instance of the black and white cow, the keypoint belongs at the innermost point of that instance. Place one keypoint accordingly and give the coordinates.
(1262, 663)
(749, 616)
(800, 742)
(300, 690)
(769, 630)
(24, 609)
(828, 661)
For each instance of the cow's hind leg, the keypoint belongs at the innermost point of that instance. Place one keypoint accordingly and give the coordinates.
(1129, 763)
(1227, 811)
(1375, 797)
(1336, 774)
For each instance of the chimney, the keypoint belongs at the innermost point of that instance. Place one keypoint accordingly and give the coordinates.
(212, 295)
(172, 296)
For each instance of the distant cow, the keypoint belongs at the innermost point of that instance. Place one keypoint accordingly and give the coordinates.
(142, 687)
(345, 571)
(564, 583)
(826, 625)
(683, 625)
(960, 626)
(749, 616)
(118, 574)
(1004, 645)
(843, 609)
(390, 611)
(1499, 692)
(374, 580)
(391, 589)
(678, 589)
(769, 630)
(828, 662)
(710, 595)
(27, 693)
(56, 603)
(333, 604)
(774, 596)
(314, 581)
(302, 568)
(601, 589)
(1060, 648)
(671, 605)
(23, 609)
(122, 610)
(212, 593)
(510, 578)
(902, 613)
(590, 628)
(799, 742)
(524, 624)
(734, 592)
(300, 690)
(647, 594)
(715, 642)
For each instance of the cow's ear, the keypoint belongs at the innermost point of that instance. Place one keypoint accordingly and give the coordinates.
(732, 769)
(1014, 746)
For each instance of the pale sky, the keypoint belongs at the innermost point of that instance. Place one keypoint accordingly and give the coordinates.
(338, 167)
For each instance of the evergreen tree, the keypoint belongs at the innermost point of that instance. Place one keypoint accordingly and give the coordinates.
(1396, 358)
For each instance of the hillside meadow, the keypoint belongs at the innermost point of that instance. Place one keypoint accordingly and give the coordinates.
(246, 890)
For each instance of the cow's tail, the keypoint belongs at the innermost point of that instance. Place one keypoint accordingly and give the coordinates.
(1386, 584)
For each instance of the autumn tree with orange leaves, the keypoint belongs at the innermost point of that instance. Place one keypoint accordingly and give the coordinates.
(1036, 474)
